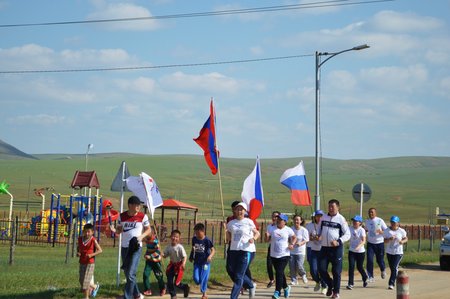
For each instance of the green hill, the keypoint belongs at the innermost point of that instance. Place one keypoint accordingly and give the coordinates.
(411, 187)
(8, 151)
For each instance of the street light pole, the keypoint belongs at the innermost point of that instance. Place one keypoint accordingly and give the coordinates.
(318, 147)
(90, 146)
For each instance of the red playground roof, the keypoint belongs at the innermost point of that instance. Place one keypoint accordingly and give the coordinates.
(83, 179)
(177, 205)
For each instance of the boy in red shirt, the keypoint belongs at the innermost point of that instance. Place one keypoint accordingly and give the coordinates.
(88, 247)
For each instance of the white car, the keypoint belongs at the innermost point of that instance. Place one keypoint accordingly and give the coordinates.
(444, 251)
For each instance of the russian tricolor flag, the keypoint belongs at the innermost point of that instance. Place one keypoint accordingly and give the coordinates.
(207, 141)
(252, 192)
(295, 180)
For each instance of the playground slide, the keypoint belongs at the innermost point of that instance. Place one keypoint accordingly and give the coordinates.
(108, 211)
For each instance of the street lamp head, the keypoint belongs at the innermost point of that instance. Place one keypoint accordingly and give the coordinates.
(361, 47)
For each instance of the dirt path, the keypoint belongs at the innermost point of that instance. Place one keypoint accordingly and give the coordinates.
(425, 282)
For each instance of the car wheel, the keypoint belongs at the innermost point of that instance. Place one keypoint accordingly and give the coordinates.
(444, 263)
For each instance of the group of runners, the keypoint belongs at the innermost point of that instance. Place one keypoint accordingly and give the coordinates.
(321, 243)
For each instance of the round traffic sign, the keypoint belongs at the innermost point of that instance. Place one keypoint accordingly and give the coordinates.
(366, 192)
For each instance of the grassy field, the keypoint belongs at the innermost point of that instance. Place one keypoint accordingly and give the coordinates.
(411, 187)
(40, 271)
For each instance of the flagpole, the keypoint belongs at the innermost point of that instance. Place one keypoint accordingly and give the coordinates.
(220, 182)
(218, 163)
(122, 191)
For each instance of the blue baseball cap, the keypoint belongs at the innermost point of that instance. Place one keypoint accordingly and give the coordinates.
(357, 218)
(318, 212)
(283, 217)
(395, 219)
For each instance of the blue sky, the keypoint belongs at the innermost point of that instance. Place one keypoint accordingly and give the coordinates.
(392, 99)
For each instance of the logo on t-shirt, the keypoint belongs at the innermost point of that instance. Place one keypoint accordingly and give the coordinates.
(127, 226)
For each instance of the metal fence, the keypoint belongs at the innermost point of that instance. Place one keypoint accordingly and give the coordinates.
(214, 230)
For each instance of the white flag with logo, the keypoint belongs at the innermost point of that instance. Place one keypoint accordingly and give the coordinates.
(144, 187)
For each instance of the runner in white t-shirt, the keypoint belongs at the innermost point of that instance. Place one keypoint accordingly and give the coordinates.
(242, 234)
(313, 251)
(298, 253)
(269, 266)
(375, 243)
(356, 252)
(282, 240)
(394, 238)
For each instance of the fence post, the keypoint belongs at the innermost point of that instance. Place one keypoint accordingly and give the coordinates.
(189, 231)
(220, 232)
(17, 230)
(212, 234)
(13, 242)
(261, 231)
(418, 243)
(431, 239)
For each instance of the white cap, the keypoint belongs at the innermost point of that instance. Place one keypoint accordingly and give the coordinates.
(241, 204)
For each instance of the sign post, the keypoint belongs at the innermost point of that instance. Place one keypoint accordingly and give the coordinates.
(361, 193)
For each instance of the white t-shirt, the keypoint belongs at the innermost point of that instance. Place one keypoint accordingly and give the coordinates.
(371, 226)
(356, 236)
(241, 232)
(302, 235)
(270, 228)
(279, 242)
(132, 226)
(176, 253)
(313, 229)
(393, 246)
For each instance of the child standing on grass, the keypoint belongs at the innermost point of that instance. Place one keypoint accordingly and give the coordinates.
(201, 254)
(177, 265)
(87, 249)
(153, 263)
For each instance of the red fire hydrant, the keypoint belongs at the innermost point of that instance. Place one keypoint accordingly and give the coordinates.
(402, 285)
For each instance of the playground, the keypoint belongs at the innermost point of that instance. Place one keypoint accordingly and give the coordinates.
(62, 217)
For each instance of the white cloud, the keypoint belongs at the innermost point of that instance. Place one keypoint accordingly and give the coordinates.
(106, 11)
(132, 109)
(38, 119)
(210, 82)
(27, 57)
(392, 21)
(444, 85)
(93, 57)
(51, 89)
(37, 57)
(256, 50)
(342, 80)
(394, 78)
(141, 84)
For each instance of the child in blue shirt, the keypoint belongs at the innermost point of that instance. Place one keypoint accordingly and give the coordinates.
(201, 255)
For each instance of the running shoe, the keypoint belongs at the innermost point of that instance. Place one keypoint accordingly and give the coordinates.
(276, 295)
(287, 292)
